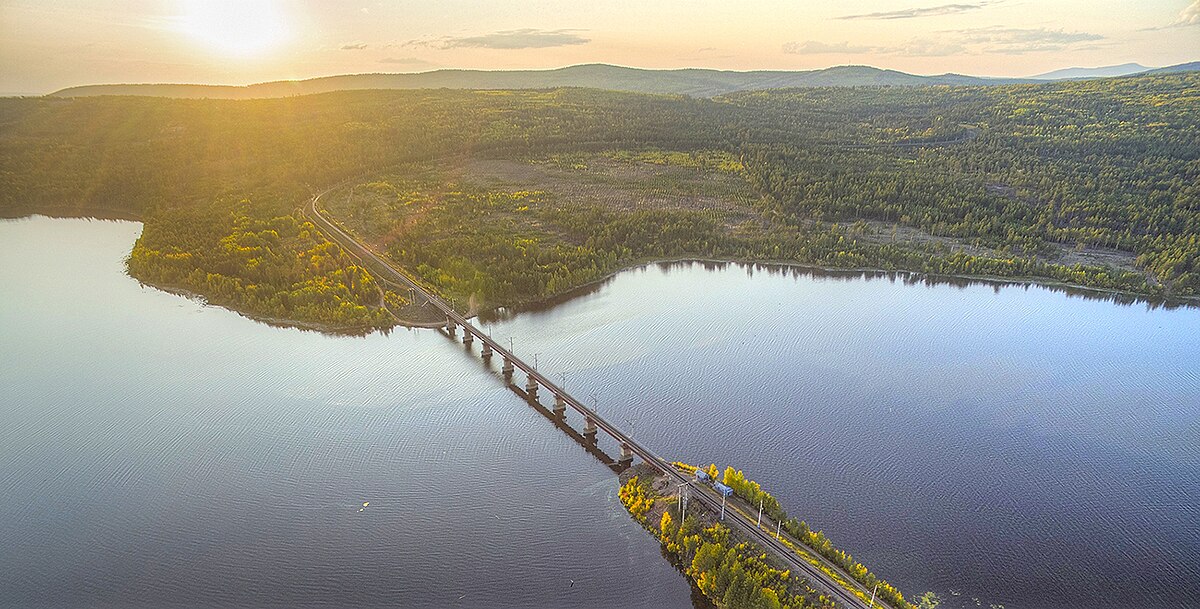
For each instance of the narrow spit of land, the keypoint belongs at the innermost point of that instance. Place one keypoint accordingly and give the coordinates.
(740, 555)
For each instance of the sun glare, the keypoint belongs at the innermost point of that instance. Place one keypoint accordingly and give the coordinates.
(241, 28)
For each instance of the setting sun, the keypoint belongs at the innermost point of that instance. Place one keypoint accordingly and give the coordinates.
(849, 304)
(235, 27)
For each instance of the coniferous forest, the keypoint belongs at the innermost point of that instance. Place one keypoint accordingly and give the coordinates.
(1091, 183)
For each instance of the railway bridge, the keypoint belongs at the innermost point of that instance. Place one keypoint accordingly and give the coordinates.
(535, 382)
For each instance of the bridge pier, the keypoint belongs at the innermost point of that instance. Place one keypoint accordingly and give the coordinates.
(560, 405)
(451, 327)
(626, 454)
(589, 428)
(468, 337)
(487, 350)
(531, 388)
(507, 369)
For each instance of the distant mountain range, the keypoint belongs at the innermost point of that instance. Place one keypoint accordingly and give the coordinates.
(693, 81)
(1124, 69)
(1192, 66)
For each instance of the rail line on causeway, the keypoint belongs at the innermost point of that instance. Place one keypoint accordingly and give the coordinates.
(385, 272)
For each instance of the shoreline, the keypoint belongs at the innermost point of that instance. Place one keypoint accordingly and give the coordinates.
(549, 302)
(274, 322)
(67, 212)
(114, 215)
(544, 303)
(505, 310)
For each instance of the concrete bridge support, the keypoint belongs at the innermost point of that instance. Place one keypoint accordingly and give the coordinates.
(487, 350)
(626, 454)
(531, 388)
(589, 428)
(507, 369)
(468, 338)
(451, 326)
(560, 405)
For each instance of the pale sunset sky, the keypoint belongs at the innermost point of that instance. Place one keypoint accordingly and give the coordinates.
(50, 44)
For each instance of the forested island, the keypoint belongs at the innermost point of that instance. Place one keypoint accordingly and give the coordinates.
(493, 198)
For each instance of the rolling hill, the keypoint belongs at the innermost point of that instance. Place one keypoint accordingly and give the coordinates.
(692, 82)
(1193, 66)
(1124, 69)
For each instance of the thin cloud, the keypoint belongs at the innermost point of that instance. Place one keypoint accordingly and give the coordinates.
(1001, 41)
(816, 47)
(527, 38)
(1016, 41)
(914, 13)
(1190, 16)
(912, 48)
(929, 48)
(354, 46)
(406, 61)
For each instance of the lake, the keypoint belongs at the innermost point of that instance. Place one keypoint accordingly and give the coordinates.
(1000, 445)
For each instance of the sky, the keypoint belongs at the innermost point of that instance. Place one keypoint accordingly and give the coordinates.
(46, 45)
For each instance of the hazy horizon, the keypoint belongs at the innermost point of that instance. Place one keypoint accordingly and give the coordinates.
(239, 42)
(563, 67)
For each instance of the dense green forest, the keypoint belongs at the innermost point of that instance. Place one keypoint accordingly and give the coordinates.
(1107, 163)
(1093, 183)
(276, 267)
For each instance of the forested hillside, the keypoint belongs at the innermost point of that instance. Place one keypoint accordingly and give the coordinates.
(1108, 163)
(1092, 183)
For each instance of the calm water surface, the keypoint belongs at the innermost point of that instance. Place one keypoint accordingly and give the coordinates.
(155, 453)
(1012, 445)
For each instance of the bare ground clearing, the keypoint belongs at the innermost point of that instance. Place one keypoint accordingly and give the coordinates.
(599, 181)
(887, 232)
(621, 185)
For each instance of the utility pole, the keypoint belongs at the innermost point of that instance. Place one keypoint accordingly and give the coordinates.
(510, 346)
(760, 505)
(778, 525)
(682, 489)
(873, 596)
(535, 356)
(722, 507)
